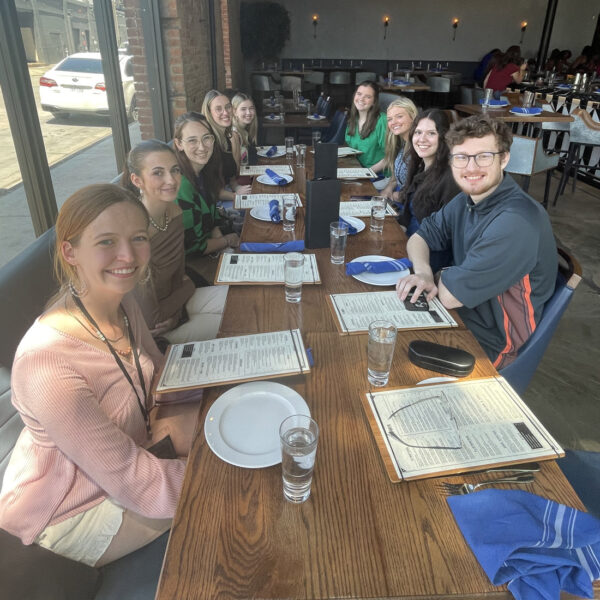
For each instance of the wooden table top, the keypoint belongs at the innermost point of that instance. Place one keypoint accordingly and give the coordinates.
(504, 114)
(358, 535)
(412, 87)
(296, 120)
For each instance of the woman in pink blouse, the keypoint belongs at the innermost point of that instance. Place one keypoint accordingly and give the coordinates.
(80, 481)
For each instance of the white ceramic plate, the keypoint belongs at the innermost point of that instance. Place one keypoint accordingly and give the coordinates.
(266, 180)
(262, 151)
(262, 213)
(273, 118)
(355, 222)
(313, 118)
(522, 114)
(381, 279)
(242, 426)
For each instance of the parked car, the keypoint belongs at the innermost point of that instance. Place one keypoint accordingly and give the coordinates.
(76, 85)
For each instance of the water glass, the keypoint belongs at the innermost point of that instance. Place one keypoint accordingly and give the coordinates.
(309, 108)
(316, 138)
(338, 236)
(293, 272)
(380, 351)
(378, 206)
(289, 212)
(488, 95)
(282, 117)
(289, 148)
(299, 435)
(300, 156)
(528, 98)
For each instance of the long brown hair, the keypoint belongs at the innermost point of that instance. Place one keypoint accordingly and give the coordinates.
(135, 160)
(213, 180)
(372, 116)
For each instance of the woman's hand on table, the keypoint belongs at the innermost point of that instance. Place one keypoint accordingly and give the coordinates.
(232, 239)
(243, 189)
(421, 282)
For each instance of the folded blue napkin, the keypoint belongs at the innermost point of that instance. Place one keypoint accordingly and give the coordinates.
(537, 546)
(522, 110)
(351, 229)
(291, 246)
(274, 211)
(493, 102)
(564, 86)
(278, 179)
(398, 82)
(383, 266)
(272, 116)
(316, 115)
(272, 150)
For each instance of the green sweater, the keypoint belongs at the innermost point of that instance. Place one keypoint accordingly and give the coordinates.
(373, 146)
(199, 218)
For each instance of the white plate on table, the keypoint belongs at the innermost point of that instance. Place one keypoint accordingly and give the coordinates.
(262, 213)
(262, 151)
(266, 180)
(355, 222)
(242, 426)
(316, 118)
(380, 279)
(273, 118)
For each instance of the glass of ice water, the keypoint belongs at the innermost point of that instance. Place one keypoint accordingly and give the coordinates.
(338, 236)
(289, 212)
(299, 435)
(378, 206)
(380, 351)
(293, 269)
(289, 148)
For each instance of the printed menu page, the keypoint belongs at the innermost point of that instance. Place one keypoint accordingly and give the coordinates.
(455, 427)
(240, 358)
(260, 169)
(267, 269)
(252, 200)
(355, 173)
(362, 208)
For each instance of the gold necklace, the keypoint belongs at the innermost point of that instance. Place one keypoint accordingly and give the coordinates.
(160, 227)
(97, 333)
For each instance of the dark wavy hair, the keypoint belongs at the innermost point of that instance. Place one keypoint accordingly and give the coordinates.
(135, 160)
(372, 115)
(211, 173)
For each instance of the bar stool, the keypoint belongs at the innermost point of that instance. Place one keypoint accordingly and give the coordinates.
(313, 81)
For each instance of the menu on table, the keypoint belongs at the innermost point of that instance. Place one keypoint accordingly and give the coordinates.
(252, 200)
(447, 428)
(266, 269)
(356, 173)
(362, 208)
(347, 151)
(355, 311)
(260, 169)
(233, 359)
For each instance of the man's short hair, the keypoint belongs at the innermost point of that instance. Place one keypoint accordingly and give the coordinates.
(478, 126)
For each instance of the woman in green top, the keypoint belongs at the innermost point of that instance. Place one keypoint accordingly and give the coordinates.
(199, 159)
(367, 126)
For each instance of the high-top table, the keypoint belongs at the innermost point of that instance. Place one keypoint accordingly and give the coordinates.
(504, 114)
(358, 535)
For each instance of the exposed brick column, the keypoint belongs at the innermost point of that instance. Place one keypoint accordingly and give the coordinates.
(226, 42)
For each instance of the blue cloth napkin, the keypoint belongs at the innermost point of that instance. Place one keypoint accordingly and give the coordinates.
(493, 102)
(564, 86)
(276, 178)
(522, 110)
(383, 266)
(537, 546)
(398, 82)
(291, 246)
(316, 115)
(274, 211)
(272, 150)
(272, 116)
(351, 229)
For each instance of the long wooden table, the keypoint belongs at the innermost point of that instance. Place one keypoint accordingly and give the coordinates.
(358, 535)
(504, 114)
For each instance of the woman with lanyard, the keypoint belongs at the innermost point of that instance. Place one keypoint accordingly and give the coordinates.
(80, 481)
(175, 310)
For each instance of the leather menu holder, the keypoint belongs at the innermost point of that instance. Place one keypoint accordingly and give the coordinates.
(322, 207)
(442, 359)
(252, 155)
(326, 161)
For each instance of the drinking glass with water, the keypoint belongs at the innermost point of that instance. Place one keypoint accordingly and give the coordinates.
(380, 352)
(378, 206)
(338, 236)
(289, 212)
(293, 269)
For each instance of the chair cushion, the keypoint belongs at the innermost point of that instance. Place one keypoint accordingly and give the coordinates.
(32, 573)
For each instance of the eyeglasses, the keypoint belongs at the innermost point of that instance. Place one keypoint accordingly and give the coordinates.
(206, 140)
(482, 159)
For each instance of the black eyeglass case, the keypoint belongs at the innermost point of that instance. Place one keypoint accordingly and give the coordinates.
(442, 359)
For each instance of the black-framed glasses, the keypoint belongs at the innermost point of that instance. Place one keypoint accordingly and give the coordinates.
(482, 159)
(207, 140)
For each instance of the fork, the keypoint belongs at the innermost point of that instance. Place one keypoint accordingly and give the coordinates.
(453, 489)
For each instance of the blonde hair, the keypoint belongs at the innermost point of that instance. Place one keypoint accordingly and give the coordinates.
(221, 133)
(249, 133)
(394, 143)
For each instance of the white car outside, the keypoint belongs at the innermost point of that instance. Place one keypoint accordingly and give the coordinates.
(76, 85)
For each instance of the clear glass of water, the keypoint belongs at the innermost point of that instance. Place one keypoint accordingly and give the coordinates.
(380, 351)
(289, 148)
(488, 95)
(289, 212)
(293, 271)
(378, 206)
(299, 435)
(300, 156)
(316, 138)
(338, 236)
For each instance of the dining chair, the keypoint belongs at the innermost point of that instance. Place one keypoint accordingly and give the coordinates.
(313, 81)
(466, 95)
(453, 116)
(261, 83)
(339, 78)
(582, 469)
(364, 76)
(439, 91)
(521, 370)
(478, 94)
(336, 131)
(290, 83)
(385, 99)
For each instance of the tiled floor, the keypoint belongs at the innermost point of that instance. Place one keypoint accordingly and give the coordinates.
(565, 391)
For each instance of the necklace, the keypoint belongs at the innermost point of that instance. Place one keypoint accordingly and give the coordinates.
(160, 227)
(98, 334)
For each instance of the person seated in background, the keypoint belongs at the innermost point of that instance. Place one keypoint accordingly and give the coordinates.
(504, 255)
(400, 116)
(583, 62)
(509, 69)
(174, 309)
(429, 182)
(485, 64)
(245, 123)
(217, 109)
(199, 159)
(79, 481)
(552, 61)
(367, 126)
(562, 64)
